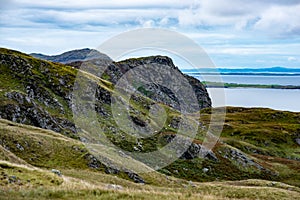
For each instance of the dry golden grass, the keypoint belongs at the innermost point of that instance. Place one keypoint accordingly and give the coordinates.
(95, 185)
(83, 183)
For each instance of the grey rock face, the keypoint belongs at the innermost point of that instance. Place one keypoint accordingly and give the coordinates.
(194, 150)
(28, 112)
(113, 71)
(41, 93)
(111, 169)
(197, 150)
(240, 158)
(160, 93)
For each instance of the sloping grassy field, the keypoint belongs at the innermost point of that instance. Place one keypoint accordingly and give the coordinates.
(23, 178)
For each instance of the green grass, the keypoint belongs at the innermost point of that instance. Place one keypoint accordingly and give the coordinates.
(274, 132)
(42, 148)
(250, 189)
(34, 183)
(16, 176)
(57, 152)
(268, 135)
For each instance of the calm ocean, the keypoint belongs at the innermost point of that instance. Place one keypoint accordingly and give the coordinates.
(277, 99)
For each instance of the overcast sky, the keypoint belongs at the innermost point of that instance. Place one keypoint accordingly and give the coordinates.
(234, 33)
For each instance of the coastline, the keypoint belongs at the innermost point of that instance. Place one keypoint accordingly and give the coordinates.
(209, 84)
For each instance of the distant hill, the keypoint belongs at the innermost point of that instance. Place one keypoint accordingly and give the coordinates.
(239, 71)
(73, 56)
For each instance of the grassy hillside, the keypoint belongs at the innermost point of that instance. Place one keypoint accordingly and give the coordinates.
(270, 136)
(21, 180)
(257, 155)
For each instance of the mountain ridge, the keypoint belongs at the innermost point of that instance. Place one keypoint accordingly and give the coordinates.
(73, 56)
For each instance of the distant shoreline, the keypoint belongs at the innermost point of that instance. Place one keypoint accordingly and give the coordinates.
(276, 71)
(209, 84)
(244, 74)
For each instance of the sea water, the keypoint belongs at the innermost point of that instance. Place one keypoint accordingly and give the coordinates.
(254, 79)
(278, 99)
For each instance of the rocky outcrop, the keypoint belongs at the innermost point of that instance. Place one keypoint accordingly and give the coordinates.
(160, 93)
(29, 112)
(240, 158)
(193, 151)
(197, 150)
(115, 70)
(94, 163)
(42, 95)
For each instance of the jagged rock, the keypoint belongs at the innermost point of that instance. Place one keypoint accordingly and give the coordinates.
(240, 158)
(156, 92)
(175, 122)
(111, 170)
(115, 70)
(93, 162)
(197, 150)
(135, 177)
(40, 93)
(43, 96)
(32, 114)
(194, 150)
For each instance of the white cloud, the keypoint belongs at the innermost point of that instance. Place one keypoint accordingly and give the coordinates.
(114, 4)
(258, 49)
(275, 18)
(280, 20)
(199, 35)
(235, 28)
(52, 41)
(219, 13)
(147, 23)
(291, 59)
(106, 17)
